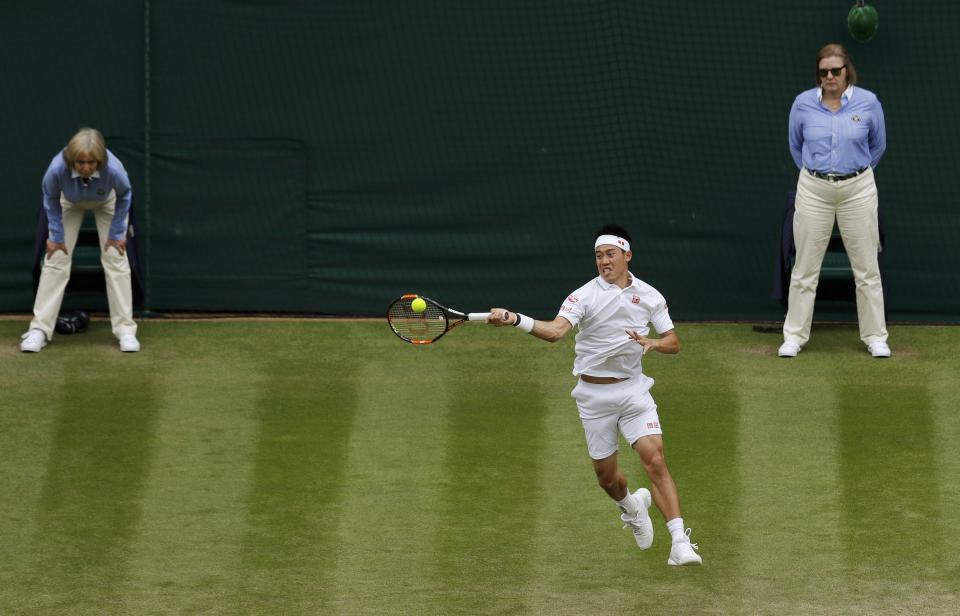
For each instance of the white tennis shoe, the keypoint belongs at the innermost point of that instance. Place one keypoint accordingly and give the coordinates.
(789, 349)
(129, 343)
(683, 552)
(879, 348)
(33, 341)
(640, 523)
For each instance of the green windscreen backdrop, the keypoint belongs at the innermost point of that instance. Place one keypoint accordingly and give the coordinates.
(325, 157)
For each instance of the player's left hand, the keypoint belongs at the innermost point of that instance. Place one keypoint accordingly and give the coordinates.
(648, 344)
(120, 245)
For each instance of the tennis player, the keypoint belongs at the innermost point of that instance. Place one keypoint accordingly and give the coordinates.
(614, 312)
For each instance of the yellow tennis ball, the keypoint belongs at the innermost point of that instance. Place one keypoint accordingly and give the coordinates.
(418, 305)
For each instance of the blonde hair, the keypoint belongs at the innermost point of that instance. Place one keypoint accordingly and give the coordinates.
(836, 49)
(86, 141)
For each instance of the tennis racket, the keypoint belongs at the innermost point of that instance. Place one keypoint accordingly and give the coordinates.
(428, 325)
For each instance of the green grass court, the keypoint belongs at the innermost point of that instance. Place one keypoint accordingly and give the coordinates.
(325, 467)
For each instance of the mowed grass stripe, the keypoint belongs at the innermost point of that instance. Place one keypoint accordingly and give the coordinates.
(30, 397)
(899, 465)
(194, 503)
(886, 437)
(789, 466)
(575, 520)
(490, 496)
(698, 393)
(305, 411)
(395, 461)
(945, 405)
(92, 497)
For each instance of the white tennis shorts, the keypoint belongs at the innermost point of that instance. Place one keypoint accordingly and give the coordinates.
(607, 411)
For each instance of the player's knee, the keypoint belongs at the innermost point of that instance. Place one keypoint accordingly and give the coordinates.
(607, 484)
(655, 464)
(607, 478)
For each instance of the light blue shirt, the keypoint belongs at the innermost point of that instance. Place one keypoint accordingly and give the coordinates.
(60, 179)
(843, 142)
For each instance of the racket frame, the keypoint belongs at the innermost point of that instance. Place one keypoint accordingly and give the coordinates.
(452, 317)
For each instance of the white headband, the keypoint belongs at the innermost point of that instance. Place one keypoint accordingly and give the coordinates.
(613, 240)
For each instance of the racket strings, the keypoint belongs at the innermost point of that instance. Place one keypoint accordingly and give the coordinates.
(417, 327)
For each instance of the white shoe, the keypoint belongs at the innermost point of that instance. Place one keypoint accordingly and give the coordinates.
(789, 349)
(33, 341)
(879, 348)
(683, 552)
(640, 523)
(129, 343)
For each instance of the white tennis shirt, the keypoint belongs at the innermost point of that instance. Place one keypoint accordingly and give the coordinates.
(604, 312)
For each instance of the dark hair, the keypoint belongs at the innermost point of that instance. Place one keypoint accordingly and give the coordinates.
(612, 229)
(836, 49)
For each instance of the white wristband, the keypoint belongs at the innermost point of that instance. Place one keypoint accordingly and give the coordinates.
(524, 322)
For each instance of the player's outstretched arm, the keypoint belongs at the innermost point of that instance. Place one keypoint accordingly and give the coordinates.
(551, 331)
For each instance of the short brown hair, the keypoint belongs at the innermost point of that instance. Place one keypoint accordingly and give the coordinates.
(86, 141)
(836, 49)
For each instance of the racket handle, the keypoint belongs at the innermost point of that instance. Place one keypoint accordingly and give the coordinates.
(478, 316)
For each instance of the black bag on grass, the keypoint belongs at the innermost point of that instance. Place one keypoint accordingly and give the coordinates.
(72, 322)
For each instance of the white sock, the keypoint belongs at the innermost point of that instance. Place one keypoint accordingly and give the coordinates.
(628, 505)
(675, 526)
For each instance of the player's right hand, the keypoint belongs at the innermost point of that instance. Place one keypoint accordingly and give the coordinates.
(500, 317)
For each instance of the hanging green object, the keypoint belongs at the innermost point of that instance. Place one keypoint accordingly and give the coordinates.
(862, 21)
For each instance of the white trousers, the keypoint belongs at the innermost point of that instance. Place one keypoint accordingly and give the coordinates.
(853, 204)
(56, 270)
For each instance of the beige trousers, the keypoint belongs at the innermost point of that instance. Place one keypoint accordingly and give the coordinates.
(853, 204)
(56, 270)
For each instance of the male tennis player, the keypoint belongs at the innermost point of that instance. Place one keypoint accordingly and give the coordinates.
(614, 312)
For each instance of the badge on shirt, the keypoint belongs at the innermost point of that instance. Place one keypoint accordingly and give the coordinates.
(855, 118)
(636, 299)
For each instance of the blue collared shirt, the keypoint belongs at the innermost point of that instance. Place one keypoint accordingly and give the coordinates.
(60, 179)
(843, 142)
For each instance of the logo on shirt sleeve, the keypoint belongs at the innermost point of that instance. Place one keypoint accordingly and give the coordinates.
(573, 299)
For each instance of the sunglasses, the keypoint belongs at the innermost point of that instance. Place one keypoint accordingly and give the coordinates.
(833, 71)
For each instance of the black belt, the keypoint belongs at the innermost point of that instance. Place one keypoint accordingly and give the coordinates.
(836, 177)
